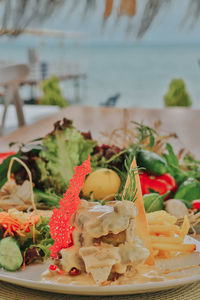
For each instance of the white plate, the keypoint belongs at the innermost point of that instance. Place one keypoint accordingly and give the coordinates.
(30, 278)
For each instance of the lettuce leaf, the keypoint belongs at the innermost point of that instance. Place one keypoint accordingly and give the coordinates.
(40, 250)
(65, 148)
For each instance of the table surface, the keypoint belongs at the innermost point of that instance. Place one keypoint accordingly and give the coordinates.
(185, 122)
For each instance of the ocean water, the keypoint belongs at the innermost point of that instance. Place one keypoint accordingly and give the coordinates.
(140, 73)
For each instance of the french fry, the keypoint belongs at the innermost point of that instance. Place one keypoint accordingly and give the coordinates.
(168, 230)
(185, 227)
(164, 239)
(175, 247)
(160, 217)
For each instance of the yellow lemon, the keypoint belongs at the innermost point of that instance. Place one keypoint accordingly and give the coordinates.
(102, 183)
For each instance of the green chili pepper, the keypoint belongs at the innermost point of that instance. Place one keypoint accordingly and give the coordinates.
(152, 162)
(189, 190)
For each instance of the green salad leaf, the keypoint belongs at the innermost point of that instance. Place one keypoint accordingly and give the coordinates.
(65, 148)
(43, 241)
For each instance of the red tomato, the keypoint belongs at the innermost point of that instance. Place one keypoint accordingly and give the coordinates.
(196, 204)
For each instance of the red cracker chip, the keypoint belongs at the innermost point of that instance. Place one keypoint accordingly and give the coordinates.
(60, 225)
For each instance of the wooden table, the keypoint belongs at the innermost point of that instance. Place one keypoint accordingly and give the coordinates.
(185, 122)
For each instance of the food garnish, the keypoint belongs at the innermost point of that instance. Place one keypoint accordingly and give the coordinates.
(141, 226)
(11, 258)
(60, 222)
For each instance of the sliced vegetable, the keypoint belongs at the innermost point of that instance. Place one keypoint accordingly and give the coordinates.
(152, 162)
(10, 255)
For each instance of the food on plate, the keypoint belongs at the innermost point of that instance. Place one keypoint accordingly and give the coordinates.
(105, 244)
(167, 238)
(114, 243)
(24, 238)
(102, 184)
(51, 161)
(106, 249)
(102, 242)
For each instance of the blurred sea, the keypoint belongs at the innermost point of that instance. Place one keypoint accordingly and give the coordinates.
(140, 73)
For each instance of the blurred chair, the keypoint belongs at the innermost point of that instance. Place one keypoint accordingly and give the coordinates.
(10, 79)
(111, 101)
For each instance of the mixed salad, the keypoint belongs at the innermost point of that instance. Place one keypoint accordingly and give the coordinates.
(168, 181)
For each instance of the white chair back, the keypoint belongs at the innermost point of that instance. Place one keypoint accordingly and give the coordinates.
(12, 75)
(10, 78)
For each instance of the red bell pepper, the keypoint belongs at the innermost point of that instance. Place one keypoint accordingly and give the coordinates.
(160, 184)
(170, 180)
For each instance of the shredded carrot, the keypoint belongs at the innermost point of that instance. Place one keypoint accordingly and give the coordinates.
(13, 226)
(24, 263)
(33, 233)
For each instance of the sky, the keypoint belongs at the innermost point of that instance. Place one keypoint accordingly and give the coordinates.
(167, 27)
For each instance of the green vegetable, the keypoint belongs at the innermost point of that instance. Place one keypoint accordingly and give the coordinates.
(10, 255)
(43, 199)
(43, 240)
(152, 162)
(153, 202)
(52, 93)
(189, 190)
(177, 94)
(192, 166)
(66, 148)
(173, 165)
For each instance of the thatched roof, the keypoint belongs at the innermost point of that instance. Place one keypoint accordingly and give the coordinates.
(18, 14)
